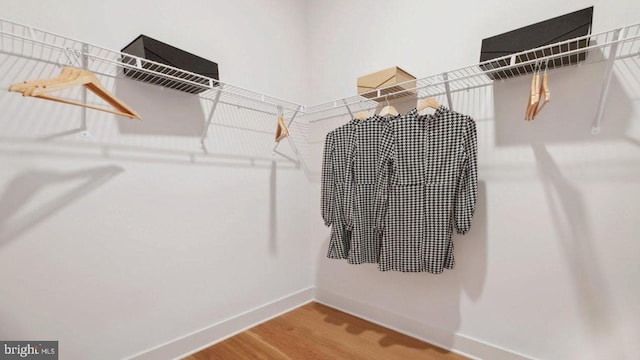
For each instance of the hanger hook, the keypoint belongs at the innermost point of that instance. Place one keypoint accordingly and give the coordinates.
(546, 65)
(386, 97)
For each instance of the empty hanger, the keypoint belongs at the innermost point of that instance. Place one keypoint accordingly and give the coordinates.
(534, 94)
(281, 130)
(27, 87)
(428, 103)
(544, 90)
(70, 77)
(388, 110)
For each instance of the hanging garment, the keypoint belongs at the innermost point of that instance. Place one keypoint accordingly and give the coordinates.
(360, 190)
(333, 177)
(426, 185)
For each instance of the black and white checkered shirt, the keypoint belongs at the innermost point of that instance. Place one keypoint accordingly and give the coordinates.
(335, 164)
(426, 185)
(360, 190)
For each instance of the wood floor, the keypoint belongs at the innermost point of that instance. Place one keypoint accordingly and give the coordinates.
(318, 332)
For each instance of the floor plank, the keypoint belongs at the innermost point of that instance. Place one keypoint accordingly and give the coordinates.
(318, 332)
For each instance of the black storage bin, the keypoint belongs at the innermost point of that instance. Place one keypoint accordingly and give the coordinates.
(154, 50)
(561, 28)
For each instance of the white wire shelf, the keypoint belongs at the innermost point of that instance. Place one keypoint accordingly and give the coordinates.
(43, 46)
(609, 45)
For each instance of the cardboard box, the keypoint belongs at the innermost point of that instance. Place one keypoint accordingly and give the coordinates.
(390, 80)
(154, 50)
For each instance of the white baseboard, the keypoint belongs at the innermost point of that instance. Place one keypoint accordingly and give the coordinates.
(460, 344)
(203, 338)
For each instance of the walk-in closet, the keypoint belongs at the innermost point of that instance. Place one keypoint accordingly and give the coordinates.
(319, 179)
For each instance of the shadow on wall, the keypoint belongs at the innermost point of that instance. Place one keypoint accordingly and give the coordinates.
(568, 210)
(575, 93)
(165, 111)
(471, 250)
(170, 132)
(568, 119)
(422, 304)
(273, 210)
(26, 186)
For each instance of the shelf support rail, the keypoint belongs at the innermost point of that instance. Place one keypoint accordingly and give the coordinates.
(85, 65)
(447, 88)
(606, 81)
(32, 33)
(210, 118)
(348, 108)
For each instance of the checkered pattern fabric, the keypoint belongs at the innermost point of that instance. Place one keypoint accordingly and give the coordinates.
(360, 190)
(426, 185)
(335, 164)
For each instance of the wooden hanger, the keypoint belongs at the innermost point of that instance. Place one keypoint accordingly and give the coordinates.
(388, 110)
(281, 130)
(544, 89)
(534, 95)
(70, 77)
(362, 115)
(27, 87)
(428, 103)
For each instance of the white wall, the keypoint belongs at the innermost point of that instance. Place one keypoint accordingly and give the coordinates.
(132, 237)
(548, 269)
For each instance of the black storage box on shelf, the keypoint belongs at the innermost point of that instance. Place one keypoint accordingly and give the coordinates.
(154, 50)
(561, 28)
